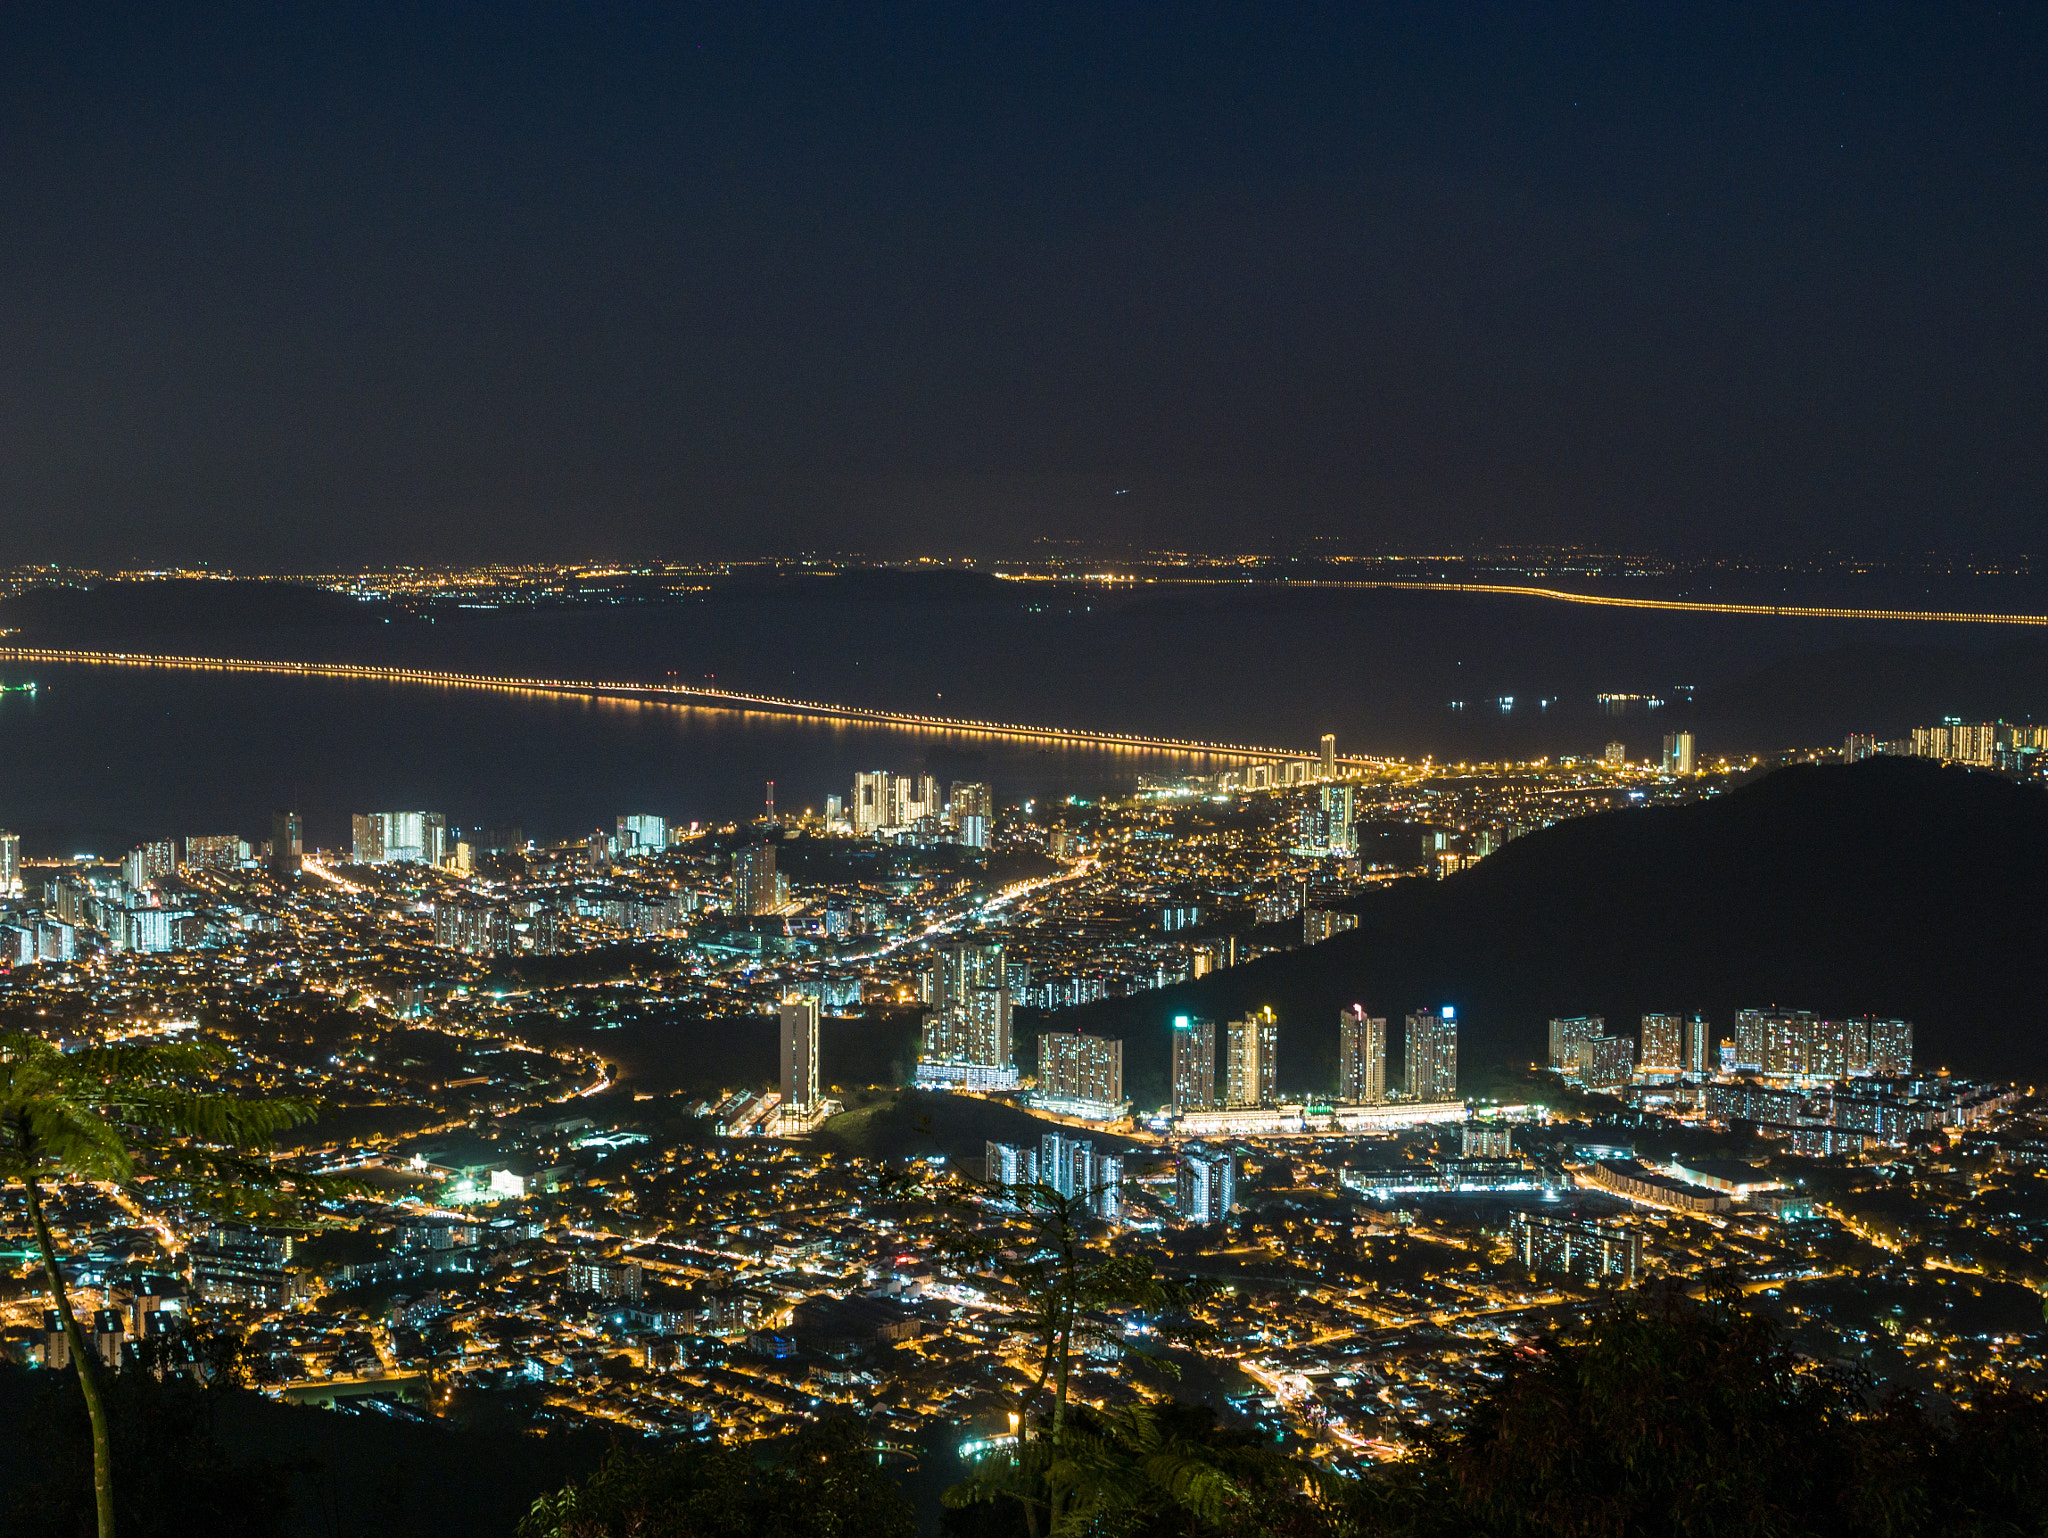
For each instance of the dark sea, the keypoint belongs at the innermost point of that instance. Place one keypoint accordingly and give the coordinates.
(98, 759)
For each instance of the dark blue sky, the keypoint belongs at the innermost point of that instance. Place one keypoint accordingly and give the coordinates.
(304, 285)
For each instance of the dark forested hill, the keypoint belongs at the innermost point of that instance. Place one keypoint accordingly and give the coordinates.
(1893, 887)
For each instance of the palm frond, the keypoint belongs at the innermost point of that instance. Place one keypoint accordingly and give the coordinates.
(224, 1119)
(100, 1112)
(150, 1063)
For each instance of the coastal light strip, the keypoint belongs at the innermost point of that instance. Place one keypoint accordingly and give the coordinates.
(1601, 600)
(690, 694)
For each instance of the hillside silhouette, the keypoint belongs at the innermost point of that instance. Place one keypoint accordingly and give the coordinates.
(1895, 887)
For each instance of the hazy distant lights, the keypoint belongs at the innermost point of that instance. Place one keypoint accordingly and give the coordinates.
(1680, 605)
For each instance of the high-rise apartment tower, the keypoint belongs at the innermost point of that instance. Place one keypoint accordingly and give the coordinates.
(798, 1018)
(1251, 1073)
(1433, 1055)
(1361, 1056)
(1194, 1064)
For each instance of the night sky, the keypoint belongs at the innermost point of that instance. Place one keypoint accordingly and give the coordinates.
(319, 285)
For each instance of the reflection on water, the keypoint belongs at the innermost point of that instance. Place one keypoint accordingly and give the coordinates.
(97, 760)
(102, 758)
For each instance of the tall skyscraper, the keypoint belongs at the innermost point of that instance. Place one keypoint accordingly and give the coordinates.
(481, 929)
(287, 846)
(971, 798)
(799, 1021)
(1072, 1167)
(1663, 1044)
(1205, 1185)
(874, 801)
(768, 813)
(1616, 755)
(1339, 820)
(1251, 1070)
(10, 863)
(1109, 1187)
(366, 838)
(1678, 753)
(1194, 1064)
(1361, 1057)
(1891, 1047)
(405, 836)
(1699, 1047)
(757, 886)
(883, 802)
(971, 808)
(1067, 1164)
(69, 898)
(1329, 756)
(1432, 1052)
(1605, 1062)
(967, 1032)
(1764, 1035)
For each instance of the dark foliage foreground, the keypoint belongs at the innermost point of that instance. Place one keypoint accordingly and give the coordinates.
(827, 1483)
(1662, 1417)
(1679, 1418)
(176, 1479)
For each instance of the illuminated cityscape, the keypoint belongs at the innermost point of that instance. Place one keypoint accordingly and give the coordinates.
(1024, 772)
(447, 992)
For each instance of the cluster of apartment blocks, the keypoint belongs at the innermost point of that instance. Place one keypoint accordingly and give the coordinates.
(1986, 744)
(131, 909)
(1849, 1117)
(1070, 1166)
(1205, 1179)
(1775, 1043)
(1591, 1248)
(909, 807)
(1680, 756)
(1286, 773)
(426, 838)
(1821, 1085)
(144, 907)
(967, 1044)
(1251, 1058)
(138, 1311)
